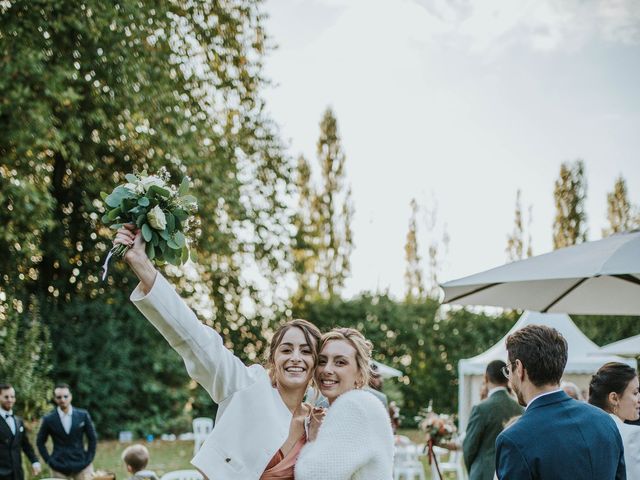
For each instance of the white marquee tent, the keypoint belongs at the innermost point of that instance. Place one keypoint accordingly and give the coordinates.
(584, 359)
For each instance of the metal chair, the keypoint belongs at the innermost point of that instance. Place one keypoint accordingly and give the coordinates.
(202, 427)
(182, 475)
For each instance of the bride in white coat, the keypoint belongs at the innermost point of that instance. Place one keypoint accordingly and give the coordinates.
(260, 424)
(354, 441)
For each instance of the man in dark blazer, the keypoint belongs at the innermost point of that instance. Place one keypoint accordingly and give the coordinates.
(68, 426)
(13, 439)
(557, 437)
(486, 422)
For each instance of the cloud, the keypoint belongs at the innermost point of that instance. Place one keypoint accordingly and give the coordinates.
(541, 25)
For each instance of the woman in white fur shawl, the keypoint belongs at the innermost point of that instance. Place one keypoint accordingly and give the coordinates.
(354, 441)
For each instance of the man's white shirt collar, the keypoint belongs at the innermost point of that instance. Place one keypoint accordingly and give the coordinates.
(496, 389)
(11, 421)
(66, 418)
(542, 395)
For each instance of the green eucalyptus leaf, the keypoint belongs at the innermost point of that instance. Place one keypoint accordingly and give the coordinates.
(164, 234)
(140, 220)
(143, 202)
(131, 178)
(180, 214)
(179, 238)
(184, 254)
(146, 232)
(193, 255)
(173, 245)
(151, 251)
(171, 222)
(113, 214)
(184, 186)
(162, 192)
(103, 196)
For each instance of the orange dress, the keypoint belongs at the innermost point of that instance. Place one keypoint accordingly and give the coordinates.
(281, 466)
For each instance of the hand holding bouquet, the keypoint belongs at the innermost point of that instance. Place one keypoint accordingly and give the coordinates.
(162, 213)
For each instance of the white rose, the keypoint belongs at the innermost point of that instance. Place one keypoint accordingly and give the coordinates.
(156, 218)
(148, 182)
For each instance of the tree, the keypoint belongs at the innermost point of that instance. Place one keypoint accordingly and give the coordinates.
(413, 272)
(517, 246)
(25, 356)
(570, 192)
(307, 236)
(94, 91)
(335, 210)
(620, 213)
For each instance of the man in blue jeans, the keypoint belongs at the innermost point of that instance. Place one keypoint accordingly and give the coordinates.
(68, 427)
(557, 437)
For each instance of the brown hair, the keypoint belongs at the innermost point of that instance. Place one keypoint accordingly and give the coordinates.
(311, 334)
(542, 351)
(611, 377)
(136, 456)
(362, 346)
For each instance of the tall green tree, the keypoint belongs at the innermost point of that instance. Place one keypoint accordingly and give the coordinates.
(95, 90)
(413, 271)
(517, 245)
(335, 209)
(620, 212)
(570, 193)
(25, 356)
(307, 237)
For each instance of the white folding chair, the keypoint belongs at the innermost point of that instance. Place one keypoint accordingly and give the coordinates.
(406, 462)
(202, 427)
(454, 463)
(182, 475)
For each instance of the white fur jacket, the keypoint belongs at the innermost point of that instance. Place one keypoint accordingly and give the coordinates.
(355, 442)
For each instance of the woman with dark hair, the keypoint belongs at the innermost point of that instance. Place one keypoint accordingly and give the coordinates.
(614, 388)
(260, 424)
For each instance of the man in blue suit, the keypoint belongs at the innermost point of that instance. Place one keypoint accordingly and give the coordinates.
(557, 437)
(68, 426)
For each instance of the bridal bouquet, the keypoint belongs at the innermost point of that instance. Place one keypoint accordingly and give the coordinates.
(161, 211)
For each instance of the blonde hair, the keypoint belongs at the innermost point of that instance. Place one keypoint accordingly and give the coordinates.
(362, 346)
(136, 456)
(311, 334)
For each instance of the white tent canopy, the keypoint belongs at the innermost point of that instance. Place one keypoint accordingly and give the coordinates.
(584, 359)
(386, 371)
(629, 347)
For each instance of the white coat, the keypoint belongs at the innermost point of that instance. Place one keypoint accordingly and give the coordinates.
(355, 442)
(253, 421)
(631, 442)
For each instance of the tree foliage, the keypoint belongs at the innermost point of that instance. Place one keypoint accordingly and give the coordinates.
(620, 213)
(25, 356)
(570, 193)
(92, 91)
(517, 245)
(335, 210)
(413, 272)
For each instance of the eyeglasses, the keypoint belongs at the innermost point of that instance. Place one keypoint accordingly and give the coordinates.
(506, 371)
(60, 397)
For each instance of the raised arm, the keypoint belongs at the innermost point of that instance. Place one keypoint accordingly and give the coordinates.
(207, 360)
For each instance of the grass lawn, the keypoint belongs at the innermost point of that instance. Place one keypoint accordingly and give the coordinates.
(168, 456)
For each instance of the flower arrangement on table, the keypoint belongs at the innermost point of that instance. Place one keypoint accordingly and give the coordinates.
(161, 211)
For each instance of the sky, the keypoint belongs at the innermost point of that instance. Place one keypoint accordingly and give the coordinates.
(459, 104)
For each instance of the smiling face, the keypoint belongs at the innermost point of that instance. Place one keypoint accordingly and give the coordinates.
(337, 370)
(293, 360)
(629, 401)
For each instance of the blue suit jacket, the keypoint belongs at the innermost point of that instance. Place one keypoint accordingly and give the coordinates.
(69, 455)
(559, 438)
